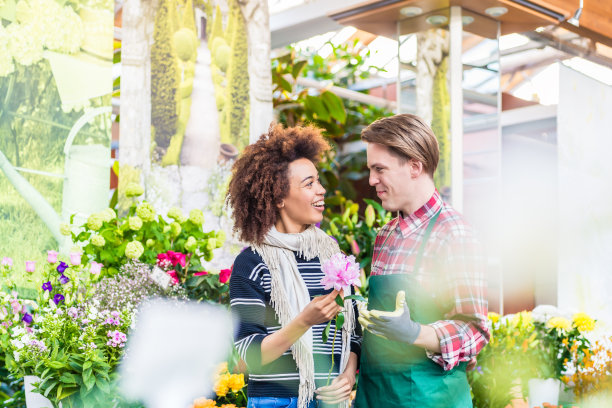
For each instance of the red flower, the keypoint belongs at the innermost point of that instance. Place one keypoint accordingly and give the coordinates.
(176, 258)
(224, 275)
(174, 276)
(201, 273)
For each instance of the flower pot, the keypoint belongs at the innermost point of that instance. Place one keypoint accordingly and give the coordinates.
(34, 399)
(543, 390)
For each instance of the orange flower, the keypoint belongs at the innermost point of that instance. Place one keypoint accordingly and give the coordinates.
(203, 403)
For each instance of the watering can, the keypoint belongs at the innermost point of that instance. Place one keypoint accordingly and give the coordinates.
(86, 180)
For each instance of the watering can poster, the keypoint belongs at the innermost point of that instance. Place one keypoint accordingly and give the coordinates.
(56, 80)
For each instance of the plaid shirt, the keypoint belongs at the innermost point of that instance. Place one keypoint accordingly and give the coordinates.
(459, 286)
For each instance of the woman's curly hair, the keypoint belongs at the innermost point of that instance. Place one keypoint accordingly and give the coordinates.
(260, 179)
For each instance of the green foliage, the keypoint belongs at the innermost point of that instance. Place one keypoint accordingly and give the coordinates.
(236, 126)
(184, 44)
(186, 88)
(164, 76)
(440, 124)
(217, 25)
(341, 120)
(155, 235)
(189, 17)
(222, 56)
(355, 232)
(215, 43)
(505, 364)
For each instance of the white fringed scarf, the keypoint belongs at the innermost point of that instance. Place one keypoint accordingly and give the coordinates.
(289, 295)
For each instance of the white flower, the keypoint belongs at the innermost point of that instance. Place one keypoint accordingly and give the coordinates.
(18, 344)
(16, 355)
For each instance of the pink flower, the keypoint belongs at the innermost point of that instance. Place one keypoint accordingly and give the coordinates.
(341, 272)
(30, 266)
(176, 258)
(52, 256)
(75, 258)
(163, 261)
(6, 261)
(224, 275)
(95, 268)
(355, 248)
(174, 276)
(201, 273)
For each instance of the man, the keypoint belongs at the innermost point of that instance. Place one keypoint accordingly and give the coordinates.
(417, 355)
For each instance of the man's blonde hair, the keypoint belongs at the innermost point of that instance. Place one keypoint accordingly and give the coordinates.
(407, 137)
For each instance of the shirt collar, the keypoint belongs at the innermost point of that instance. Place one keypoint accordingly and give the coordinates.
(410, 223)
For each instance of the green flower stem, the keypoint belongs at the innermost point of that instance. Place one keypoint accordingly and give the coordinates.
(332, 362)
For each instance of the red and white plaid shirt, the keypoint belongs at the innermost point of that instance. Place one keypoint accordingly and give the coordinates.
(452, 268)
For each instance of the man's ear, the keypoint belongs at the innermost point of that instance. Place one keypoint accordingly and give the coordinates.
(416, 168)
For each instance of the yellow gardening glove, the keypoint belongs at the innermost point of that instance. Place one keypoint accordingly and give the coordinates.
(396, 325)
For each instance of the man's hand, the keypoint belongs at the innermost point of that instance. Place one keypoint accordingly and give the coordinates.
(339, 390)
(397, 325)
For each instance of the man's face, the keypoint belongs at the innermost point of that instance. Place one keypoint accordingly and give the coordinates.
(390, 176)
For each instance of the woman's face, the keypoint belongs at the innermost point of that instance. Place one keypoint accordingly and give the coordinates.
(304, 204)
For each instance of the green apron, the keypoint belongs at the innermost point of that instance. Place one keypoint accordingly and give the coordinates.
(397, 374)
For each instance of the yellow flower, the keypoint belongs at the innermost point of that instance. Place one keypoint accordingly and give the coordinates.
(583, 322)
(236, 382)
(559, 323)
(493, 317)
(203, 403)
(221, 369)
(228, 406)
(222, 387)
(565, 342)
(522, 318)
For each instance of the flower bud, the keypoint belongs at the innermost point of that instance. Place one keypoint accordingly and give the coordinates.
(334, 229)
(370, 216)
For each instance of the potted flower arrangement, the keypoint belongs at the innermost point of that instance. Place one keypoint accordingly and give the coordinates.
(229, 390)
(562, 344)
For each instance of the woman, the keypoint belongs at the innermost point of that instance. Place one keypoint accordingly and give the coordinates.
(275, 290)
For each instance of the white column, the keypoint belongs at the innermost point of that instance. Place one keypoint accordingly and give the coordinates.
(456, 103)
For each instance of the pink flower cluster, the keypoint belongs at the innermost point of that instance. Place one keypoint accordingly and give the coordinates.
(117, 338)
(341, 272)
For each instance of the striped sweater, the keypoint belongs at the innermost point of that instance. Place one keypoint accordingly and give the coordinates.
(255, 317)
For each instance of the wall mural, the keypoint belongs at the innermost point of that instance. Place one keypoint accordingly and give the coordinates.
(55, 119)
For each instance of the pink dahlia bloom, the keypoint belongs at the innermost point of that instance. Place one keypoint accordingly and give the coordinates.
(341, 272)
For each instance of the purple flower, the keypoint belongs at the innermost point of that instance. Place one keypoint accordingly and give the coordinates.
(64, 279)
(27, 318)
(58, 298)
(479, 369)
(47, 286)
(6, 261)
(62, 267)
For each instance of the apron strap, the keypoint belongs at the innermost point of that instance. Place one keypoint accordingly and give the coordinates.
(432, 222)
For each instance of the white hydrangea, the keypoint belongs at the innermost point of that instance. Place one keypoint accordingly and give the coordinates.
(25, 43)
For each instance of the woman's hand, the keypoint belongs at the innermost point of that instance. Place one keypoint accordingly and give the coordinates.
(340, 388)
(320, 310)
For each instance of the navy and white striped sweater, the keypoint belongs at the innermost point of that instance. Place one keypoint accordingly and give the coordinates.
(250, 304)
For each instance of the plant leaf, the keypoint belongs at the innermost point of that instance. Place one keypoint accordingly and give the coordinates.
(339, 321)
(316, 105)
(334, 106)
(325, 334)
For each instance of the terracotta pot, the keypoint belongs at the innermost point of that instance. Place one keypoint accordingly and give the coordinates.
(227, 152)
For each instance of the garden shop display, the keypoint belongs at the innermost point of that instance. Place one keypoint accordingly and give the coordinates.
(530, 345)
(73, 332)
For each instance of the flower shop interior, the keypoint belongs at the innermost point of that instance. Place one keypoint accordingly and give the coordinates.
(120, 122)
